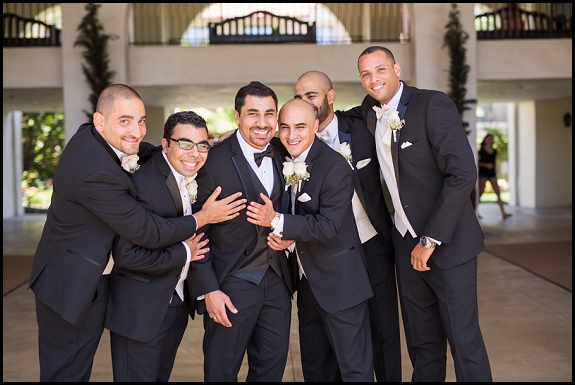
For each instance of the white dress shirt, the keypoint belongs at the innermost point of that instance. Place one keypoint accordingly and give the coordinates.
(187, 211)
(280, 226)
(383, 138)
(364, 227)
(265, 172)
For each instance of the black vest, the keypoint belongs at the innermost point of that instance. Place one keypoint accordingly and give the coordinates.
(259, 255)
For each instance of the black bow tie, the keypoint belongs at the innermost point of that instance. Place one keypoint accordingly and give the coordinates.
(259, 156)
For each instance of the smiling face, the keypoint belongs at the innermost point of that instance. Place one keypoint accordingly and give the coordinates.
(315, 88)
(297, 126)
(379, 75)
(122, 124)
(257, 120)
(186, 162)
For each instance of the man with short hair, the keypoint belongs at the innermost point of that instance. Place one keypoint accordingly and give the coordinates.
(247, 285)
(430, 170)
(149, 302)
(93, 200)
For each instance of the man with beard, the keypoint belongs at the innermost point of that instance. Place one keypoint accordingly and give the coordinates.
(247, 285)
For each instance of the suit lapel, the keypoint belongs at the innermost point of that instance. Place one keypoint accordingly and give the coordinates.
(171, 183)
(313, 152)
(278, 164)
(345, 137)
(241, 164)
(371, 121)
(401, 109)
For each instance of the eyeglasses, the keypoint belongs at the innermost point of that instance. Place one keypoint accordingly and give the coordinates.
(202, 146)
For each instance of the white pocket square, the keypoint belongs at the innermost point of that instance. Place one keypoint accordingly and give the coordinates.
(362, 163)
(304, 198)
(405, 144)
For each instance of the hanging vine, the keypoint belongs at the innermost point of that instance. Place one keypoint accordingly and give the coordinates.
(454, 39)
(95, 43)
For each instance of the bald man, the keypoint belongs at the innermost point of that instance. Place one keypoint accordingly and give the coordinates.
(333, 283)
(93, 200)
(371, 215)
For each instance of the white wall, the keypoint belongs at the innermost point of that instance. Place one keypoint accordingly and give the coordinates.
(554, 154)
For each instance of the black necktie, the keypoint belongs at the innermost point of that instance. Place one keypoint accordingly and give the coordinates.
(259, 156)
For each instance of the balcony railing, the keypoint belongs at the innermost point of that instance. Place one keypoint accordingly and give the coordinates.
(524, 21)
(188, 24)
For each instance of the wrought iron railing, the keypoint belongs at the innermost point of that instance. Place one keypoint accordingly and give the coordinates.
(31, 24)
(188, 24)
(524, 21)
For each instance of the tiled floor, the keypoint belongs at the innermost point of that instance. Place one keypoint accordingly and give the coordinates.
(526, 320)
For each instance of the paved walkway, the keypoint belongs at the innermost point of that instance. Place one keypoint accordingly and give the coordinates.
(526, 320)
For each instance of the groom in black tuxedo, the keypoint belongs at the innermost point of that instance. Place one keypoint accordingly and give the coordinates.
(247, 285)
(333, 287)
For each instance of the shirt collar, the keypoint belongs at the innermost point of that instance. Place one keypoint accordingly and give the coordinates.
(247, 148)
(332, 128)
(119, 153)
(394, 102)
(179, 177)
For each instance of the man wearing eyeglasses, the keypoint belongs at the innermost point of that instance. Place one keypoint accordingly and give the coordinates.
(149, 302)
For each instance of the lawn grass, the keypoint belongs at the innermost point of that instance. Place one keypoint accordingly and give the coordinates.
(492, 198)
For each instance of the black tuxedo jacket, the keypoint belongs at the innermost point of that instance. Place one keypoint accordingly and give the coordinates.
(231, 242)
(93, 199)
(436, 172)
(367, 183)
(143, 280)
(325, 232)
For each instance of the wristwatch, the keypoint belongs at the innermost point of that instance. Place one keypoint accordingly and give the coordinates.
(426, 242)
(216, 140)
(275, 221)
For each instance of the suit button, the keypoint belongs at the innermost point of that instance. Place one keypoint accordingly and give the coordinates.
(247, 252)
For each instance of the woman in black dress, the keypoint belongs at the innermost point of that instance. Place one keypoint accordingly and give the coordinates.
(487, 155)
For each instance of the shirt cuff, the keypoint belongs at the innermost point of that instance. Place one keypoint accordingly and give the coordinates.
(188, 252)
(279, 230)
(438, 243)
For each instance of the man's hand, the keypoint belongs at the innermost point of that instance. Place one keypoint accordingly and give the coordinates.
(275, 242)
(216, 211)
(196, 245)
(419, 257)
(259, 214)
(216, 303)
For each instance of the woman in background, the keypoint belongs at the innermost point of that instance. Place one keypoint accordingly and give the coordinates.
(487, 156)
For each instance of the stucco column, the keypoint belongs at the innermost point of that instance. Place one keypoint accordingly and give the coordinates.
(75, 87)
(12, 164)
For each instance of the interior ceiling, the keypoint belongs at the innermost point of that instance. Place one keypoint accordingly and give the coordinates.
(348, 94)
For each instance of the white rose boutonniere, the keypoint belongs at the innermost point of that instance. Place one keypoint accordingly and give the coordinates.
(192, 187)
(345, 151)
(294, 173)
(130, 163)
(394, 123)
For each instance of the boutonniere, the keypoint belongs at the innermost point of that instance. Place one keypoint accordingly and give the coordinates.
(294, 173)
(394, 123)
(130, 163)
(345, 151)
(191, 187)
(192, 191)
